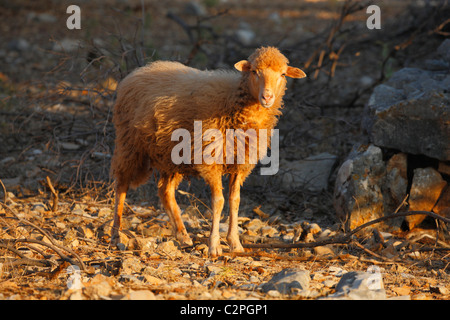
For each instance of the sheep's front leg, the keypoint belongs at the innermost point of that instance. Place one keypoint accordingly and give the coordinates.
(217, 206)
(234, 200)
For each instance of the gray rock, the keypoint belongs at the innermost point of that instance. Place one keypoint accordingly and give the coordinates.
(195, 8)
(170, 248)
(67, 45)
(286, 280)
(411, 112)
(7, 160)
(132, 265)
(39, 207)
(383, 96)
(275, 17)
(358, 197)
(396, 177)
(42, 17)
(444, 50)
(11, 182)
(359, 285)
(18, 44)
(245, 36)
(435, 64)
(311, 173)
(336, 271)
(213, 270)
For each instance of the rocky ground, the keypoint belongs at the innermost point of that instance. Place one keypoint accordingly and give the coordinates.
(57, 139)
(153, 266)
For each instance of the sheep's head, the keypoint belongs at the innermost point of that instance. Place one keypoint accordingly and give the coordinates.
(267, 70)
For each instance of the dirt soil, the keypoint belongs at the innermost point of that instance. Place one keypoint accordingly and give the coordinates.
(56, 97)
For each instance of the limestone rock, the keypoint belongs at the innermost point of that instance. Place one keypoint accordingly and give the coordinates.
(360, 285)
(286, 280)
(444, 168)
(411, 113)
(444, 50)
(426, 188)
(245, 34)
(396, 177)
(67, 45)
(195, 8)
(99, 286)
(442, 207)
(358, 197)
(311, 173)
(140, 295)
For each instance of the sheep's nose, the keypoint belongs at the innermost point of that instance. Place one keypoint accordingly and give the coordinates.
(267, 96)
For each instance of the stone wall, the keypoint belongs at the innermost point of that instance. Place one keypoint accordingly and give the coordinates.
(406, 165)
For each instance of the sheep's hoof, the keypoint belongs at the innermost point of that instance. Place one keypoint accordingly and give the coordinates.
(237, 248)
(118, 239)
(215, 251)
(185, 240)
(235, 244)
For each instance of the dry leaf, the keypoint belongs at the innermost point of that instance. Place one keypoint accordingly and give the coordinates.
(402, 291)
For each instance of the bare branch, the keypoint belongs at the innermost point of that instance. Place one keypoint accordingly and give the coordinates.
(346, 237)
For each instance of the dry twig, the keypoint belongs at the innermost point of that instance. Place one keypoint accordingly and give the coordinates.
(54, 245)
(5, 194)
(346, 238)
(54, 193)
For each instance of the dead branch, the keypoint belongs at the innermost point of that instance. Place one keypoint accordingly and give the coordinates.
(439, 28)
(347, 9)
(182, 24)
(10, 262)
(23, 259)
(359, 245)
(42, 243)
(5, 194)
(54, 245)
(54, 193)
(346, 238)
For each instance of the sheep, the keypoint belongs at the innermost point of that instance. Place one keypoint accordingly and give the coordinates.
(161, 97)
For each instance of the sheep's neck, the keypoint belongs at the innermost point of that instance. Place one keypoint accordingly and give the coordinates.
(246, 111)
(242, 97)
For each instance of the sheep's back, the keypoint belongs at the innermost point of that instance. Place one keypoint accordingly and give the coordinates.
(164, 96)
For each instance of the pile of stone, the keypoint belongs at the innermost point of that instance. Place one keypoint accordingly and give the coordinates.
(406, 164)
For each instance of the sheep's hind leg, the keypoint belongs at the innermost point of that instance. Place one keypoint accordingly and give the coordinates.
(217, 206)
(234, 200)
(120, 195)
(166, 188)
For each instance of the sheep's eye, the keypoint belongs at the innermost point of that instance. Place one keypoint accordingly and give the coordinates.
(283, 74)
(254, 71)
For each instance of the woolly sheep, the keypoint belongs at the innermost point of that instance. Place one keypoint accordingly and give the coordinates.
(157, 99)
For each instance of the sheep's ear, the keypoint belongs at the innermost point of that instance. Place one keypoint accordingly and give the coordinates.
(295, 73)
(243, 65)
